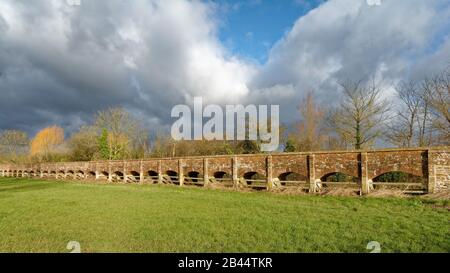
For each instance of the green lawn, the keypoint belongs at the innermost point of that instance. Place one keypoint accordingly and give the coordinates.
(43, 216)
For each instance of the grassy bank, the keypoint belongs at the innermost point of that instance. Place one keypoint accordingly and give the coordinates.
(43, 216)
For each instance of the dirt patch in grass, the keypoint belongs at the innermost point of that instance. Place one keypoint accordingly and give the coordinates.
(388, 193)
(445, 195)
(290, 191)
(339, 191)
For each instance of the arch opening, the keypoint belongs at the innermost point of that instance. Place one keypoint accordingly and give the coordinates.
(103, 175)
(152, 176)
(134, 176)
(292, 179)
(172, 177)
(117, 176)
(79, 175)
(194, 178)
(255, 180)
(400, 180)
(60, 175)
(70, 174)
(339, 177)
(398, 177)
(90, 175)
(223, 178)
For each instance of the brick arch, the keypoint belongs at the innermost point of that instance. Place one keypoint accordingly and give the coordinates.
(135, 176)
(347, 163)
(171, 176)
(409, 176)
(291, 176)
(413, 162)
(79, 174)
(353, 178)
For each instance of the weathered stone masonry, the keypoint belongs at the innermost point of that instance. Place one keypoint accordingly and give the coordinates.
(264, 171)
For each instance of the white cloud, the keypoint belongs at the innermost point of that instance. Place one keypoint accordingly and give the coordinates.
(347, 39)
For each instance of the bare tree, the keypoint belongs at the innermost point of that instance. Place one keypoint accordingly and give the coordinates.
(410, 123)
(125, 134)
(437, 95)
(359, 118)
(310, 126)
(14, 143)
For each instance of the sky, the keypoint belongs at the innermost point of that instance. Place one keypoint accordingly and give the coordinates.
(61, 62)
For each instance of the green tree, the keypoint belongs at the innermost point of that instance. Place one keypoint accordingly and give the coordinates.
(103, 144)
(290, 146)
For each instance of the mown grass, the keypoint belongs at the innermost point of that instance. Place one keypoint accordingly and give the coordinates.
(43, 216)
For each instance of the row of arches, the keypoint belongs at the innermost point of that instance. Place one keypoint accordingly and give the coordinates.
(250, 179)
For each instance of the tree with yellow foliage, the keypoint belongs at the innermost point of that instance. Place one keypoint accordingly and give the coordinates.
(47, 141)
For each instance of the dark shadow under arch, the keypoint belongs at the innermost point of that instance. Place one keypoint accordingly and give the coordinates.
(339, 177)
(401, 177)
(136, 176)
(291, 178)
(250, 178)
(173, 177)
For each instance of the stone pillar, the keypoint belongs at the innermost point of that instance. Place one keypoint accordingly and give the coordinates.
(269, 173)
(160, 175)
(180, 172)
(97, 173)
(364, 174)
(141, 172)
(125, 172)
(234, 163)
(205, 172)
(109, 172)
(431, 167)
(312, 173)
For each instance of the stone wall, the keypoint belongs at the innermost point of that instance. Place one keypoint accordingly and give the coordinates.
(311, 169)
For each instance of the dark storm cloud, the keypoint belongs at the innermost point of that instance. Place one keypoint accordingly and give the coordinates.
(59, 64)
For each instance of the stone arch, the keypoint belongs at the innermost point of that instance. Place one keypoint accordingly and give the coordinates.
(339, 177)
(90, 175)
(253, 178)
(221, 175)
(70, 174)
(104, 175)
(152, 176)
(79, 175)
(399, 176)
(291, 178)
(134, 176)
(117, 176)
(61, 174)
(193, 176)
(171, 177)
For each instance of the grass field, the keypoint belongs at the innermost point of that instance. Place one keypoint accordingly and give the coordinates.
(43, 216)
